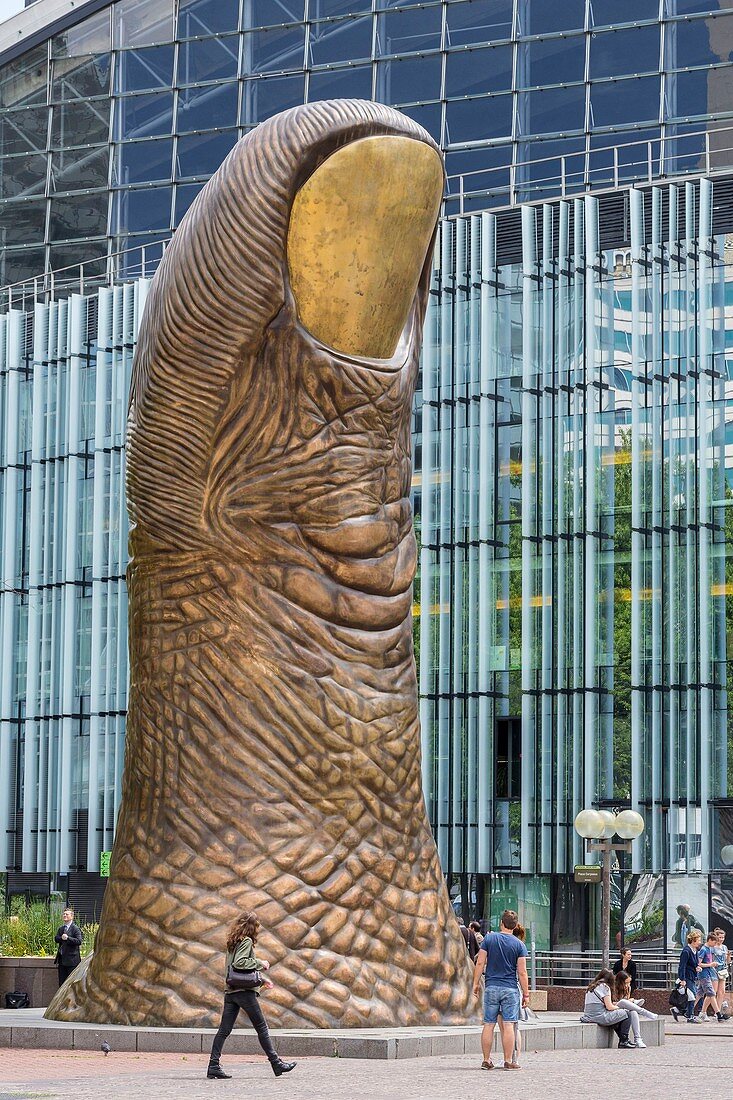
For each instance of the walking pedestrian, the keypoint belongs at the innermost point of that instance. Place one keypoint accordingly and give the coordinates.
(69, 939)
(600, 1009)
(502, 961)
(722, 957)
(623, 998)
(707, 979)
(687, 974)
(626, 962)
(240, 956)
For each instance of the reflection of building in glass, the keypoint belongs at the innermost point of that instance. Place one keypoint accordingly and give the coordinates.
(573, 436)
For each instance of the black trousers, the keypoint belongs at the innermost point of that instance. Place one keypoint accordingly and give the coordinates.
(65, 971)
(248, 1001)
(622, 1029)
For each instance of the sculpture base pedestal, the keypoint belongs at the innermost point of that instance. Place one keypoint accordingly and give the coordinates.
(554, 1031)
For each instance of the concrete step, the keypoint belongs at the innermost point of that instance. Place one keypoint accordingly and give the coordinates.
(26, 1028)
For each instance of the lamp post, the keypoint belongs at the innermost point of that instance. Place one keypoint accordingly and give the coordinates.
(597, 827)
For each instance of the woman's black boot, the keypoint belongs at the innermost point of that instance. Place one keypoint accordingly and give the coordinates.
(279, 1067)
(217, 1072)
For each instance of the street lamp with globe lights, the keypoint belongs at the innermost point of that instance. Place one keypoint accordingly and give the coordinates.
(597, 827)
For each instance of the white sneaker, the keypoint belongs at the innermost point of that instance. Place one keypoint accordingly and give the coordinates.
(641, 1044)
(702, 1019)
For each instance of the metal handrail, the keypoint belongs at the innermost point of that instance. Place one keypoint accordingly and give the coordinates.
(651, 151)
(49, 284)
(656, 969)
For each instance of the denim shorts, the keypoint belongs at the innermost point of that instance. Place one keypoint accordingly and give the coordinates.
(705, 986)
(501, 1000)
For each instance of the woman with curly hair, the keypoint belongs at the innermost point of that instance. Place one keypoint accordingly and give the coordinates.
(241, 956)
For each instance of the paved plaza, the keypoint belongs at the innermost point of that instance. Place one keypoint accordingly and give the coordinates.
(656, 1073)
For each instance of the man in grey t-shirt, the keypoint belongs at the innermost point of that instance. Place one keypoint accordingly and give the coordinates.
(503, 961)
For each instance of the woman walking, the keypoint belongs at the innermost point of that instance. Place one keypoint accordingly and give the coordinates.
(241, 957)
(622, 995)
(600, 1009)
(687, 974)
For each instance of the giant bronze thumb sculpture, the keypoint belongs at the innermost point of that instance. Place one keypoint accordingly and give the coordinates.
(273, 758)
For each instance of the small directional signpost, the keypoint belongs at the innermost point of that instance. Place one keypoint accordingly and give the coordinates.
(587, 872)
(104, 858)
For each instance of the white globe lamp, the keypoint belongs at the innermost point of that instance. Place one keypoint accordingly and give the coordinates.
(726, 855)
(629, 825)
(589, 824)
(609, 821)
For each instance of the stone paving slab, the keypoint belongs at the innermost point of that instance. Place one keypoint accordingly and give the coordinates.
(654, 1074)
(27, 1029)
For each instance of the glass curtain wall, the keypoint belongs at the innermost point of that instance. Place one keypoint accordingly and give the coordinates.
(109, 129)
(64, 381)
(574, 498)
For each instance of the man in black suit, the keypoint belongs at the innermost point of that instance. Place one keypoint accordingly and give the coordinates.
(69, 939)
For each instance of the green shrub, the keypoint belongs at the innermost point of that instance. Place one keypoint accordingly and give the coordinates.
(29, 929)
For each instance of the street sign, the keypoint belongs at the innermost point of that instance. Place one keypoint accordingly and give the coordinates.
(104, 858)
(587, 872)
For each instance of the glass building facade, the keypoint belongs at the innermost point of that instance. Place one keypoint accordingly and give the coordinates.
(572, 438)
(109, 125)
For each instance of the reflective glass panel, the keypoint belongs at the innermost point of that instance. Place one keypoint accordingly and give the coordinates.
(185, 194)
(142, 209)
(550, 61)
(619, 102)
(80, 77)
(485, 70)
(612, 12)
(688, 94)
(77, 216)
(410, 80)
(23, 80)
(92, 36)
(21, 222)
(427, 115)
(551, 110)
(141, 161)
(205, 17)
(343, 40)
(23, 175)
(138, 70)
(546, 16)
(23, 130)
(201, 154)
(478, 21)
(143, 22)
(322, 9)
(77, 169)
(632, 50)
(93, 254)
(351, 83)
(80, 123)
(268, 96)
(409, 31)
(19, 264)
(148, 115)
(699, 42)
(208, 59)
(473, 119)
(203, 108)
(266, 13)
(688, 7)
(271, 50)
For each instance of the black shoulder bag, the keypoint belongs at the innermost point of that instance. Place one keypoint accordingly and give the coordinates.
(239, 980)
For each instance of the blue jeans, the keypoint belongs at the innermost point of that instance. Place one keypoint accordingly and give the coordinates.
(501, 1000)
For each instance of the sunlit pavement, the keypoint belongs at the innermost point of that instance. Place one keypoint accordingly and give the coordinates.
(656, 1074)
